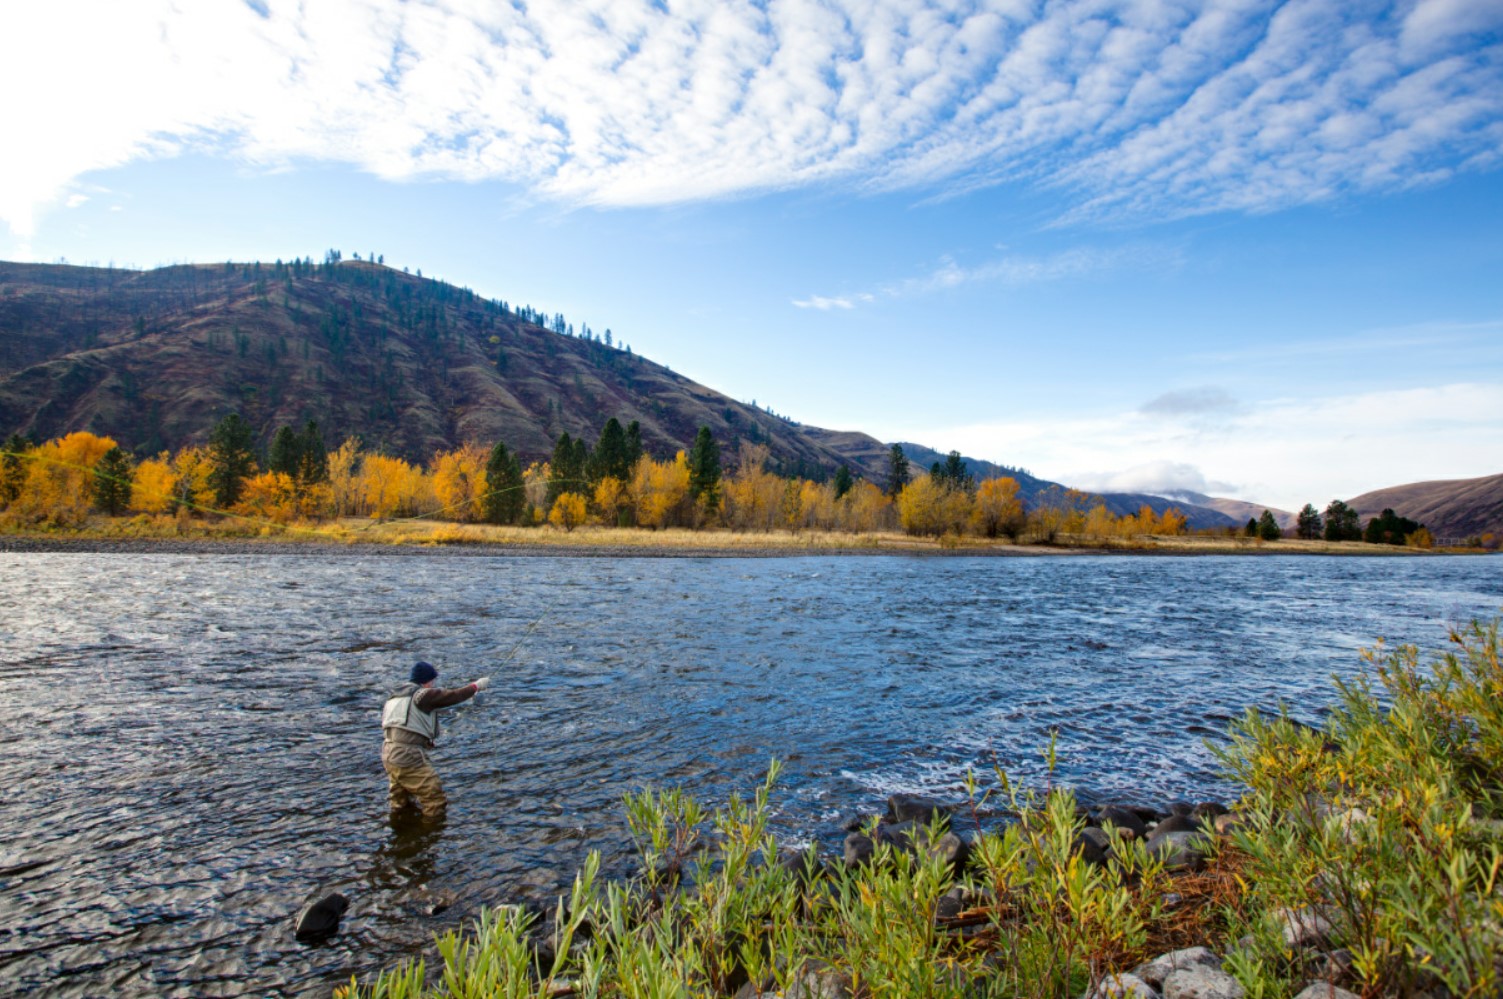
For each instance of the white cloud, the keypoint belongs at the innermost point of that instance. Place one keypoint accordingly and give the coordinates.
(1286, 452)
(76, 200)
(1131, 106)
(1010, 270)
(1157, 478)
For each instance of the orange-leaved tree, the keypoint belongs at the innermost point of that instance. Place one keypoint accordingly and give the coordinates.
(59, 481)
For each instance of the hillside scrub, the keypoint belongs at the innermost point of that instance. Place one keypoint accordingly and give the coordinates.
(1362, 857)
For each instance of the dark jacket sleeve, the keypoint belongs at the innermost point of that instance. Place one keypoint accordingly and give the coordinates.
(436, 697)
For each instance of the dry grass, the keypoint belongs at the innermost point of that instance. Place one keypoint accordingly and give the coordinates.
(355, 530)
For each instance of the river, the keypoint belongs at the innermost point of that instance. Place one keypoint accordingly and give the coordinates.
(191, 748)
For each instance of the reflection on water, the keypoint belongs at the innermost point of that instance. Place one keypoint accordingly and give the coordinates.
(191, 749)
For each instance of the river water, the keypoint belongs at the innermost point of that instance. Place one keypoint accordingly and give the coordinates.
(190, 743)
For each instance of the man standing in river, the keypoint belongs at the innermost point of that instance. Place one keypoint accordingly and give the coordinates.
(409, 726)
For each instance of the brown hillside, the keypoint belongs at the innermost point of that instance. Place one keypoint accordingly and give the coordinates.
(1450, 508)
(410, 365)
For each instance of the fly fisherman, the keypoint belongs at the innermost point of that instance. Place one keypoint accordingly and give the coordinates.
(409, 724)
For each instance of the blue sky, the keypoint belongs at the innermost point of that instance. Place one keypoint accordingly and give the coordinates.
(1248, 248)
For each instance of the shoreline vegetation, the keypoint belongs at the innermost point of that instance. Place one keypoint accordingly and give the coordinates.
(610, 499)
(1362, 861)
(166, 534)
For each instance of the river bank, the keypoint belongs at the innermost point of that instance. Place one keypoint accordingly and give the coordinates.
(365, 537)
(1362, 859)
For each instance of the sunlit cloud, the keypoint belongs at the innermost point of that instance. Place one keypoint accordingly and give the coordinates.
(1286, 452)
(1128, 107)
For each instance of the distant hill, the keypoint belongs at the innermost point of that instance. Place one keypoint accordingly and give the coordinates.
(1240, 511)
(410, 365)
(1450, 508)
(1031, 487)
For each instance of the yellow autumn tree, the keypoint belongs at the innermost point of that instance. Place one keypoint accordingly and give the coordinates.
(459, 483)
(391, 487)
(154, 486)
(193, 467)
(59, 482)
(569, 511)
(865, 509)
(997, 509)
(269, 496)
(659, 490)
(817, 505)
(753, 496)
(920, 506)
(346, 494)
(610, 499)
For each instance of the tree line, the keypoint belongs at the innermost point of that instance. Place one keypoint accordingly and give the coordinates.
(610, 482)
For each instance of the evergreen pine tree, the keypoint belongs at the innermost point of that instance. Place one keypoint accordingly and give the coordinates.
(504, 497)
(286, 453)
(1252, 527)
(634, 450)
(313, 467)
(112, 482)
(559, 468)
(897, 470)
(843, 481)
(579, 467)
(704, 470)
(13, 468)
(1310, 525)
(611, 457)
(230, 458)
(1342, 523)
(1268, 528)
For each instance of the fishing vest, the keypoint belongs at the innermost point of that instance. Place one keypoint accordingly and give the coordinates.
(401, 713)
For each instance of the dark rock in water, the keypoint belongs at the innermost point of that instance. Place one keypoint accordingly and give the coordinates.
(1208, 810)
(858, 849)
(1176, 823)
(855, 822)
(1146, 813)
(320, 919)
(908, 807)
(1122, 818)
(803, 864)
(952, 850)
(901, 835)
(1093, 844)
(1181, 808)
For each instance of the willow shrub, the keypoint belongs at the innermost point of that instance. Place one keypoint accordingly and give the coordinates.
(1384, 826)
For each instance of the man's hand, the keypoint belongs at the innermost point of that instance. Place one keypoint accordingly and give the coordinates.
(481, 683)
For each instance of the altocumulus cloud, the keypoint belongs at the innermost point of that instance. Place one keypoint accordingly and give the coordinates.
(1129, 106)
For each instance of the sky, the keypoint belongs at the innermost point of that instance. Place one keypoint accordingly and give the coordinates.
(1252, 249)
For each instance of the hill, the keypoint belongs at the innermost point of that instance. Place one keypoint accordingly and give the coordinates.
(1240, 511)
(1450, 508)
(1032, 488)
(410, 365)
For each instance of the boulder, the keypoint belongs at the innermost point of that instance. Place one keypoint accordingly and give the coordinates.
(950, 904)
(1179, 850)
(859, 849)
(803, 864)
(1208, 810)
(1123, 985)
(1227, 824)
(910, 807)
(817, 981)
(952, 849)
(1095, 845)
(1302, 927)
(1324, 990)
(320, 919)
(1122, 818)
(1154, 972)
(1202, 983)
(1176, 823)
(1181, 808)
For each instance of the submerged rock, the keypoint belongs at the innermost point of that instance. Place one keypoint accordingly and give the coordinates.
(913, 807)
(320, 920)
